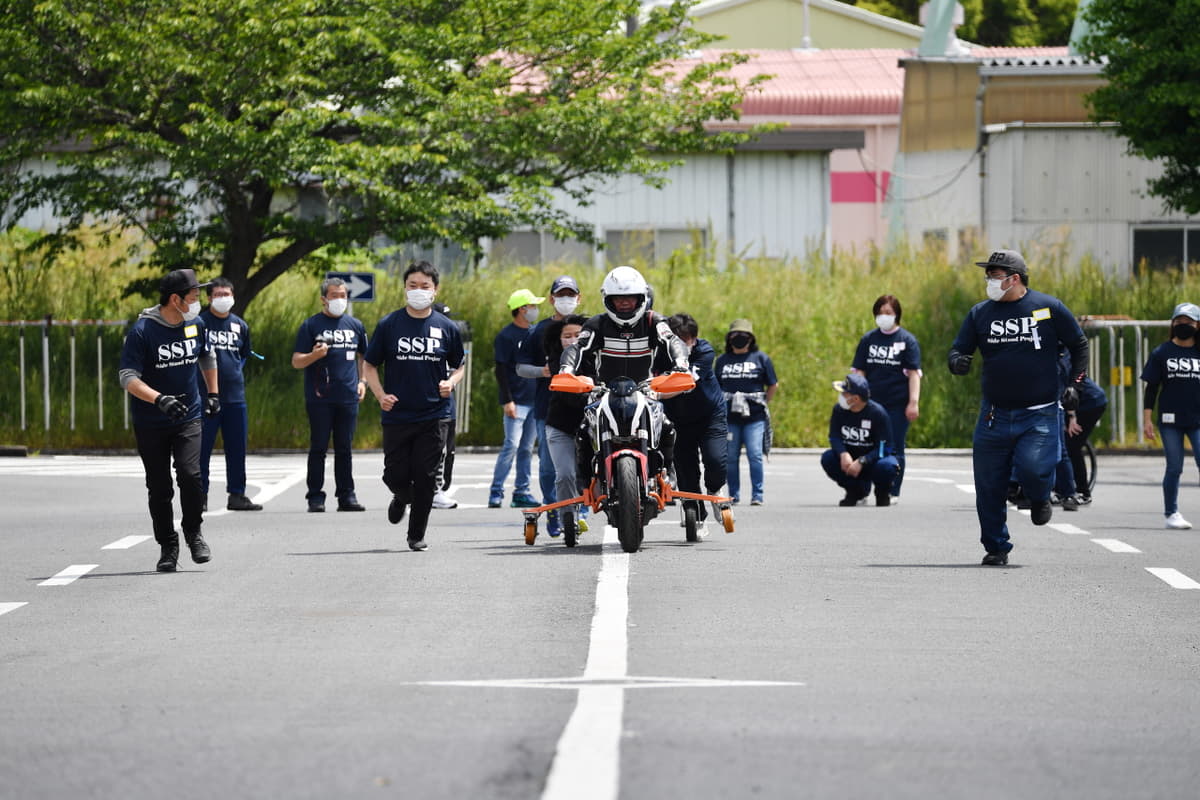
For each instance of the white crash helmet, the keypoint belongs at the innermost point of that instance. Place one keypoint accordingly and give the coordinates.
(620, 282)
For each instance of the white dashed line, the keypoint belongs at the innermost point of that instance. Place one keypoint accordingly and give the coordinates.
(125, 543)
(1066, 527)
(1116, 546)
(69, 575)
(7, 607)
(966, 487)
(1173, 578)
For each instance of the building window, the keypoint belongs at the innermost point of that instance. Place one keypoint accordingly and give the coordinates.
(1163, 248)
(534, 248)
(650, 245)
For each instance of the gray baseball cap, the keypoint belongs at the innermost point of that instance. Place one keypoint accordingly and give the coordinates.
(1010, 260)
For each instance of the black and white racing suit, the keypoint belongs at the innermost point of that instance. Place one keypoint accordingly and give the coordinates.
(608, 350)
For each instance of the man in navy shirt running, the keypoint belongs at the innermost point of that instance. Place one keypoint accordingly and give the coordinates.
(329, 348)
(229, 339)
(1018, 331)
(861, 453)
(159, 370)
(421, 354)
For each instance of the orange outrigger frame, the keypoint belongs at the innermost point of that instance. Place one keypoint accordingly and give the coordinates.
(663, 384)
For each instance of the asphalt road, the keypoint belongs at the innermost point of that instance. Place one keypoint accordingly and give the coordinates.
(818, 652)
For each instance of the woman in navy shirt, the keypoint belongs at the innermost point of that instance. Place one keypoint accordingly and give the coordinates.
(747, 377)
(1174, 369)
(889, 357)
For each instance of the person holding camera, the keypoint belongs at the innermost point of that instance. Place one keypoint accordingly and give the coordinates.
(158, 368)
(1018, 331)
(861, 453)
(329, 348)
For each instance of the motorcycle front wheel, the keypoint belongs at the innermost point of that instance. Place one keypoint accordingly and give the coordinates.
(628, 497)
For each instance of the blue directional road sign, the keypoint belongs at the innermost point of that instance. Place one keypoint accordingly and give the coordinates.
(359, 285)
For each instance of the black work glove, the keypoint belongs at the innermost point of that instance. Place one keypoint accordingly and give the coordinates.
(212, 405)
(960, 363)
(1070, 398)
(172, 406)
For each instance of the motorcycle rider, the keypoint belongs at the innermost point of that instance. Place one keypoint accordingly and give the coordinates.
(624, 342)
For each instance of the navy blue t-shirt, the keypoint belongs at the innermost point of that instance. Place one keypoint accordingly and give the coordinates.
(229, 338)
(534, 352)
(166, 357)
(747, 373)
(707, 398)
(1177, 370)
(415, 355)
(1019, 342)
(864, 433)
(886, 359)
(334, 378)
(508, 346)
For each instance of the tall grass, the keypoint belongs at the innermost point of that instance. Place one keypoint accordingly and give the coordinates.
(807, 316)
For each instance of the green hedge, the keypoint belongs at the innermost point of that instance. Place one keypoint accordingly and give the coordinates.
(808, 317)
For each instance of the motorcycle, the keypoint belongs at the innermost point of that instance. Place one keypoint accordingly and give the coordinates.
(629, 481)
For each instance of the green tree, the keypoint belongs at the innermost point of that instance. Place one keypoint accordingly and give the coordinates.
(996, 23)
(247, 136)
(1153, 88)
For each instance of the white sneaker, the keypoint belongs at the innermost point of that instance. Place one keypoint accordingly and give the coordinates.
(1176, 522)
(443, 500)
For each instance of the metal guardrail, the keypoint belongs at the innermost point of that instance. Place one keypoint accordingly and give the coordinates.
(74, 325)
(1113, 337)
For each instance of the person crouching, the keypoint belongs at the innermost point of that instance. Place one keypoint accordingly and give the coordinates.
(861, 453)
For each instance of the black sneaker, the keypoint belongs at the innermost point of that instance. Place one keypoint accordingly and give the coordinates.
(316, 508)
(239, 502)
(396, 510)
(200, 550)
(417, 544)
(995, 560)
(1070, 503)
(350, 505)
(1040, 512)
(883, 497)
(168, 560)
(851, 499)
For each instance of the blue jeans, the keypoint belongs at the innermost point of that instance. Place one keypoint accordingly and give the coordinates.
(880, 476)
(546, 470)
(1172, 441)
(899, 424)
(750, 434)
(232, 423)
(338, 420)
(519, 433)
(1008, 441)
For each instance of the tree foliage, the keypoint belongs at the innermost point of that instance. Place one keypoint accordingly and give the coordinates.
(1153, 88)
(247, 136)
(995, 23)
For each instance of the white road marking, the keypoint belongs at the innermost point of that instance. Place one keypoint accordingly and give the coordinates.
(69, 575)
(269, 492)
(966, 487)
(1066, 527)
(1173, 578)
(125, 543)
(7, 607)
(1116, 546)
(927, 480)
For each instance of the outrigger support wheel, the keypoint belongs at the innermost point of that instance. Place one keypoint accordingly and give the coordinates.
(531, 528)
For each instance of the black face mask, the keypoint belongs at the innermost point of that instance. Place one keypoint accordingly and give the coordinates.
(1183, 331)
(739, 340)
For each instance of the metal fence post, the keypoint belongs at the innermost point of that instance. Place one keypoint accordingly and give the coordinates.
(99, 377)
(21, 358)
(46, 371)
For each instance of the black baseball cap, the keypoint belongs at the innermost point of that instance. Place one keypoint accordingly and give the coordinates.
(564, 282)
(180, 281)
(854, 384)
(1010, 260)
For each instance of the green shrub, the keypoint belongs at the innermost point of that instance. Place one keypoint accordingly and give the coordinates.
(807, 316)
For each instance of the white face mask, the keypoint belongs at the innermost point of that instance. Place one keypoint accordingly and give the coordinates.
(419, 299)
(531, 315)
(994, 292)
(222, 305)
(193, 311)
(338, 306)
(566, 305)
(843, 402)
(886, 322)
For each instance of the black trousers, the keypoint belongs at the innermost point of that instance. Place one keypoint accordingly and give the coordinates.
(412, 453)
(157, 447)
(697, 442)
(1087, 421)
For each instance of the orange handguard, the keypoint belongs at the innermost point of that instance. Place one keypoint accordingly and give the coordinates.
(575, 384)
(672, 382)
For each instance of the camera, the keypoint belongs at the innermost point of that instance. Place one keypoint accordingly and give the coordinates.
(326, 337)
